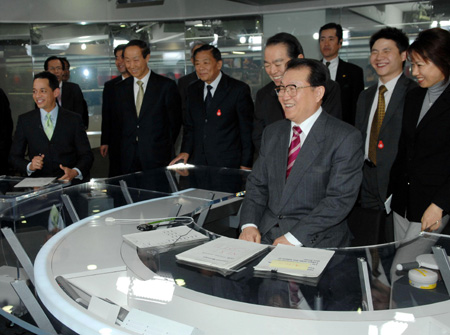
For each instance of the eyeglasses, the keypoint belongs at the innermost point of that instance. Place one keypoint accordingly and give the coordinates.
(291, 90)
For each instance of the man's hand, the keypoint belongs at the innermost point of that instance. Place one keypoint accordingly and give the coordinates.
(69, 173)
(182, 156)
(37, 163)
(250, 234)
(244, 168)
(281, 240)
(104, 150)
(432, 218)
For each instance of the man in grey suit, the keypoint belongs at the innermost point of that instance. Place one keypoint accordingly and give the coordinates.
(303, 202)
(388, 54)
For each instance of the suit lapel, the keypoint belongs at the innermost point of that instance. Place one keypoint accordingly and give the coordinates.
(150, 95)
(441, 105)
(307, 155)
(129, 97)
(368, 106)
(340, 71)
(281, 157)
(38, 122)
(396, 98)
(220, 94)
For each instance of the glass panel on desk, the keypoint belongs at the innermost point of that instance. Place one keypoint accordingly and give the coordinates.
(173, 180)
(339, 288)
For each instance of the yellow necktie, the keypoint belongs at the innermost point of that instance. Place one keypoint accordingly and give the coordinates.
(376, 125)
(140, 97)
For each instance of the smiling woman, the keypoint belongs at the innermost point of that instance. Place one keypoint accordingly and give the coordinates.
(420, 176)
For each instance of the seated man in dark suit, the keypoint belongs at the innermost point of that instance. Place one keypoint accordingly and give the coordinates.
(53, 137)
(280, 49)
(70, 97)
(218, 122)
(349, 76)
(307, 177)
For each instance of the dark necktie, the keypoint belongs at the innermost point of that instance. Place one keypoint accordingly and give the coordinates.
(208, 96)
(327, 64)
(294, 149)
(376, 125)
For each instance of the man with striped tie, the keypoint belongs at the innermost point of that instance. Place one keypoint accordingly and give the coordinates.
(53, 138)
(307, 177)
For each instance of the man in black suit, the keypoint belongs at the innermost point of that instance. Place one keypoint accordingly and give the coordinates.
(6, 128)
(71, 97)
(388, 55)
(350, 77)
(52, 137)
(110, 139)
(150, 108)
(218, 123)
(280, 49)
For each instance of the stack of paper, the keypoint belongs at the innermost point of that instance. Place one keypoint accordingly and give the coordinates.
(223, 255)
(294, 262)
(161, 238)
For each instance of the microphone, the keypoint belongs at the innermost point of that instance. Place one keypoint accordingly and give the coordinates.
(426, 261)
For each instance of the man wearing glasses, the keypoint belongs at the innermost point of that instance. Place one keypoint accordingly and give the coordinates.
(307, 177)
(280, 49)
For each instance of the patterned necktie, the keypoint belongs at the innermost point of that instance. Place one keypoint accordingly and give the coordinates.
(208, 96)
(294, 149)
(140, 97)
(48, 128)
(376, 125)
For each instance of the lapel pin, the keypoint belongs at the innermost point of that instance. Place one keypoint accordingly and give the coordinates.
(219, 113)
(380, 145)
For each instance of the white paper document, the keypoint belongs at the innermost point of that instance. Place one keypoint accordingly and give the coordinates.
(224, 254)
(35, 182)
(182, 235)
(295, 261)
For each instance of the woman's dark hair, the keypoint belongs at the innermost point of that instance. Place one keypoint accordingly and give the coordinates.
(433, 45)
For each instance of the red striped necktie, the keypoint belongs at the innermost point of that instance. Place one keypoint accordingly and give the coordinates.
(294, 149)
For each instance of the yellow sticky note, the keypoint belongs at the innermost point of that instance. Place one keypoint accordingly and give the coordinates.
(288, 265)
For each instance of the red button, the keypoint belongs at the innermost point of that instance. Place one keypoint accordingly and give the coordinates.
(380, 145)
(219, 113)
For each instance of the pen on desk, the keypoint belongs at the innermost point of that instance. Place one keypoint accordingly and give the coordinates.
(428, 229)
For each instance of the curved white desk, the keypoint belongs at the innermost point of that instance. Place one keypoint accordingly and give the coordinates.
(96, 241)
